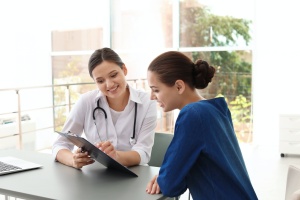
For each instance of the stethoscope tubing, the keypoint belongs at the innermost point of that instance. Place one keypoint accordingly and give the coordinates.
(135, 111)
(132, 139)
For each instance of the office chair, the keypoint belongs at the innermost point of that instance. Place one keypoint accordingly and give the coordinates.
(161, 143)
(292, 191)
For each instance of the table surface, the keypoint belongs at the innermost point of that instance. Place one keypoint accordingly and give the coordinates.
(57, 181)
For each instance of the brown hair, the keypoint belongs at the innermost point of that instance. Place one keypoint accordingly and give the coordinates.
(172, 65)
(104, 54)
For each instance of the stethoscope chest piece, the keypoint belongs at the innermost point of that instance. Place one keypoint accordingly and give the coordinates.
(132, 141)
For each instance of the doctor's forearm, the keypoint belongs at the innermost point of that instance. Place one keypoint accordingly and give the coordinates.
(65, 156)
(128, 158)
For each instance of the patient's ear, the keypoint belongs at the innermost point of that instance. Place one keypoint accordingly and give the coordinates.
(180, 86)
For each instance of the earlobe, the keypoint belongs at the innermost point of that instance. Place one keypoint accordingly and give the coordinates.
(180, 90)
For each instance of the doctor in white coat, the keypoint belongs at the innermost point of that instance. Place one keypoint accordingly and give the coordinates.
(117, 118)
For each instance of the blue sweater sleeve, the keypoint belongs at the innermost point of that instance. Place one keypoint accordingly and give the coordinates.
(182, 153)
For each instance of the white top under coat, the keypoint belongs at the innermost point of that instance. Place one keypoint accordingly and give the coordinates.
(80, 120)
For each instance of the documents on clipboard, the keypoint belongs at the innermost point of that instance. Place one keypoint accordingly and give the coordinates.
(96, 153)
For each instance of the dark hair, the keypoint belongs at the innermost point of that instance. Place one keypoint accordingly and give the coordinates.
(104, 54)
(172, 65)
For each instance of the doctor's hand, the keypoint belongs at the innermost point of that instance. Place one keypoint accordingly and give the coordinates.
(108, 148)
(153, 187)
(81, 159)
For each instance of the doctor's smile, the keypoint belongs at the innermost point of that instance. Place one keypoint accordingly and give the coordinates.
(113, 89)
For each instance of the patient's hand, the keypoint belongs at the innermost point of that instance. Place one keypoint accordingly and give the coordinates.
(153, 187)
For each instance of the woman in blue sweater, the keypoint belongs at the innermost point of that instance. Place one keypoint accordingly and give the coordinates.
(204, 155)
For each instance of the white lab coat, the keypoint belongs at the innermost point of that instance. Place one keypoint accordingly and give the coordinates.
(80, 120)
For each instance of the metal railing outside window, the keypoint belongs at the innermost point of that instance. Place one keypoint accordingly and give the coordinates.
(34, 113)
(29, 116)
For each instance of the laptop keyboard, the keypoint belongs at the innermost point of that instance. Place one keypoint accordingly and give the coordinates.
(7, 167)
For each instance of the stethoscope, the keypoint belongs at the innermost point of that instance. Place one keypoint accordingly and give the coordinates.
(132, 139)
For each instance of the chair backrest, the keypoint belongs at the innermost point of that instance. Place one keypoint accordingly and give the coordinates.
(161, 143)
(293, 183)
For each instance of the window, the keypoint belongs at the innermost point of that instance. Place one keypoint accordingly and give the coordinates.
(77, 30)
(140, 30)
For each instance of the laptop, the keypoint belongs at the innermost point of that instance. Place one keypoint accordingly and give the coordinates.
(97, 154)
(9, 164)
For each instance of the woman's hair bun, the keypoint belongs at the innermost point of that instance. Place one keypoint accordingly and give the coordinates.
(203, 74)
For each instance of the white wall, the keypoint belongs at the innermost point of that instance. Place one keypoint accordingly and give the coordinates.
(276, 78)
(23, 49)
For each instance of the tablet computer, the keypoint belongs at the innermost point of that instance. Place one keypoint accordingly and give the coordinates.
(96, 153)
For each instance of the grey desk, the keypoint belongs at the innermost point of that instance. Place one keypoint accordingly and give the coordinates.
(57, 181)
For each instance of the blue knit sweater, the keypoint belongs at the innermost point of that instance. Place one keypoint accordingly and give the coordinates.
(204, 155)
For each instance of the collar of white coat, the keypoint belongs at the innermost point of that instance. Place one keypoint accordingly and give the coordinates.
(133, 96)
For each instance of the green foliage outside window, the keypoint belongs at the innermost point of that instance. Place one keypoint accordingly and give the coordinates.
(201, 28)
(240, 110)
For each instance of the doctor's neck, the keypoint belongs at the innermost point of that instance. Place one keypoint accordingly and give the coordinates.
(119, 103)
